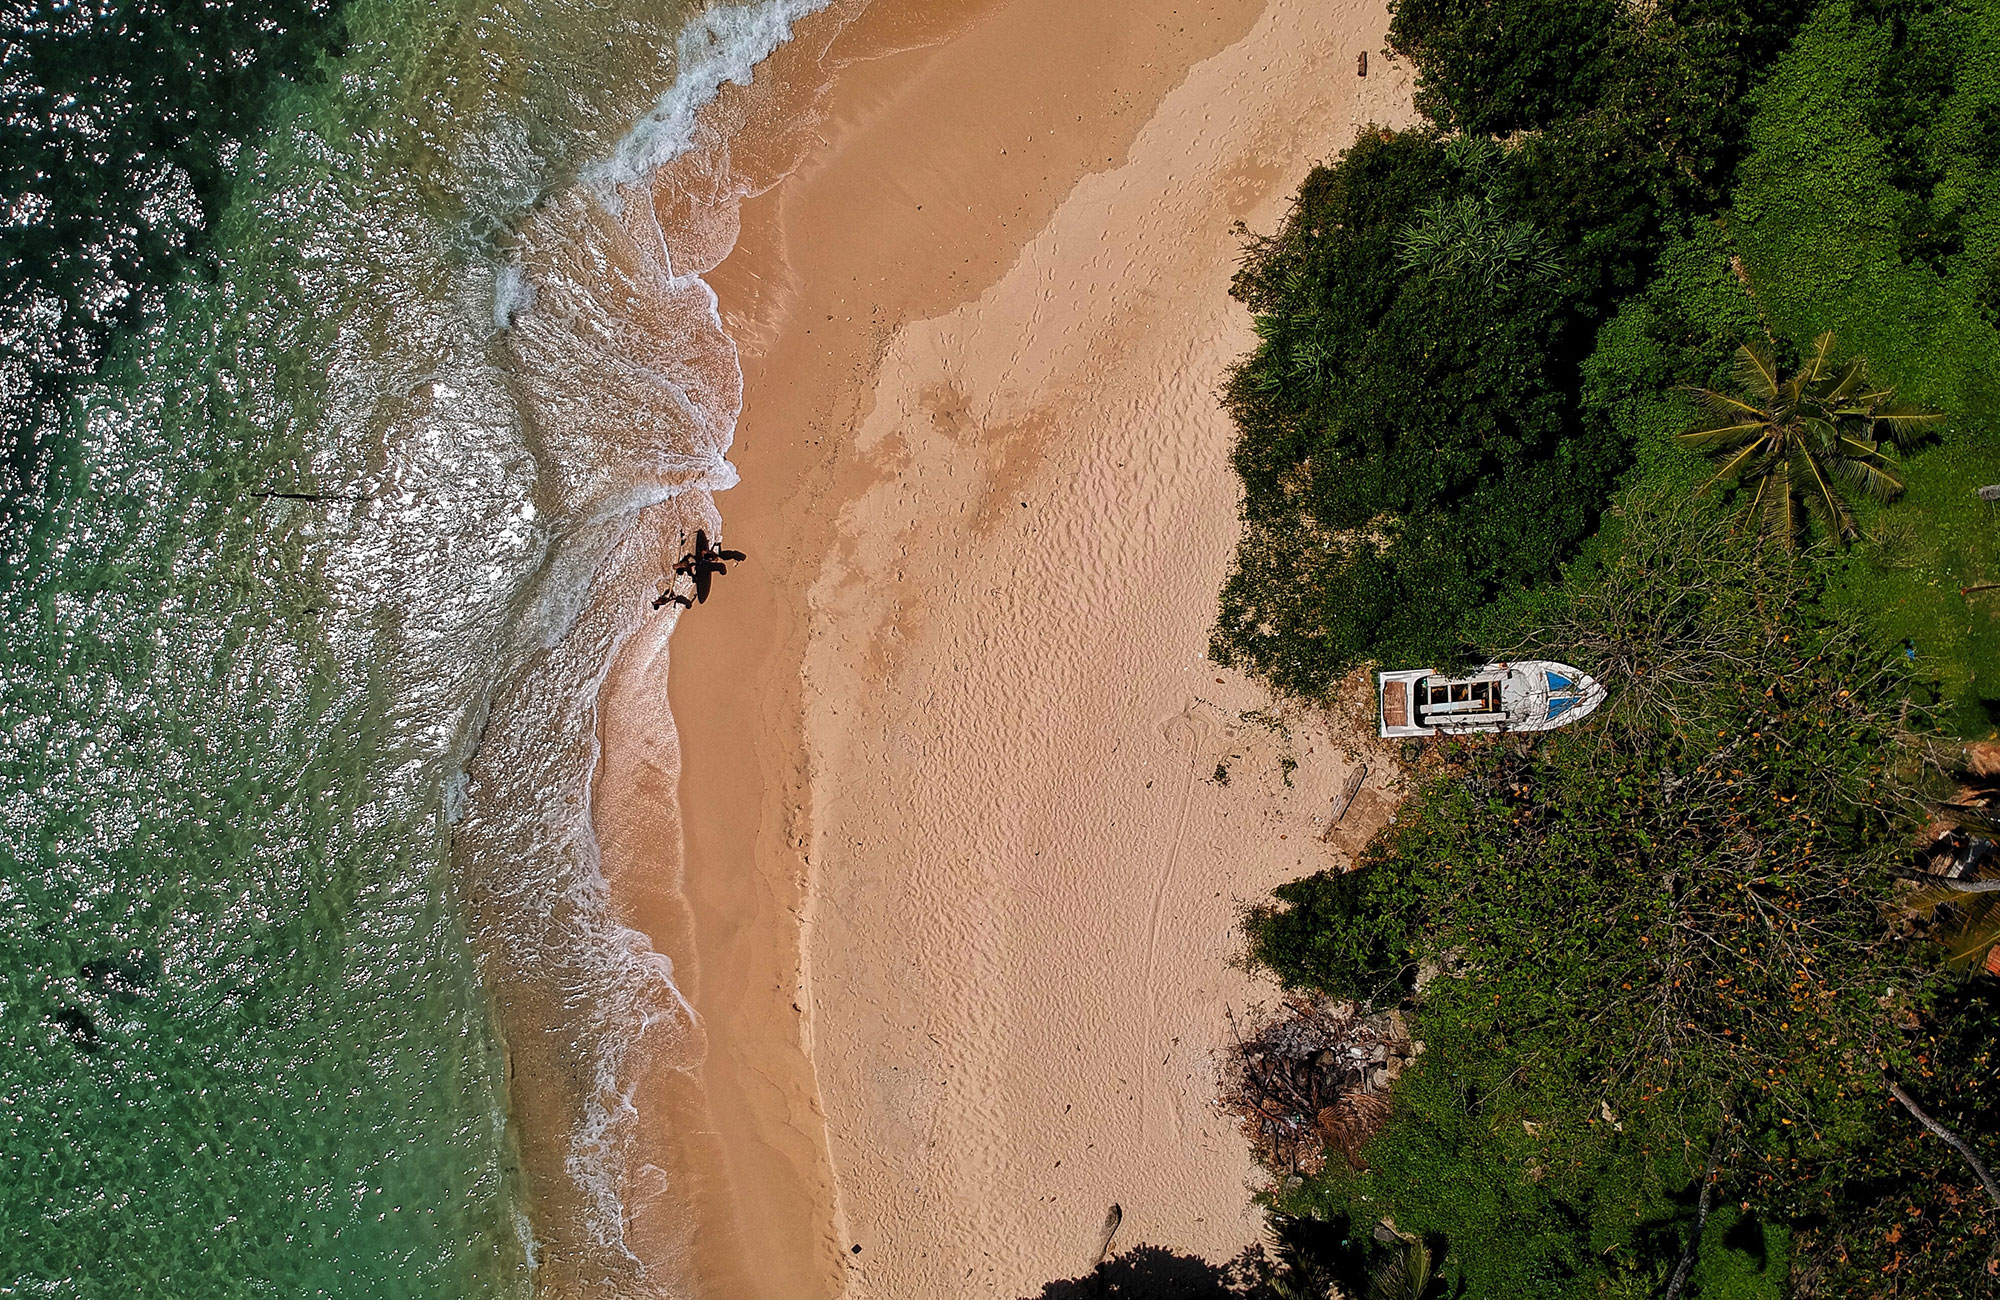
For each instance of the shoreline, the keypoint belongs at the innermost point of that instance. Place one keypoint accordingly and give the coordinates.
(916, 247)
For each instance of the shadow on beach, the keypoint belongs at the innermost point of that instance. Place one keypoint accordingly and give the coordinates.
(1152, 1273)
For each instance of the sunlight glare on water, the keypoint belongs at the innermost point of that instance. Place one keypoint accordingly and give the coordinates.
(268, 570)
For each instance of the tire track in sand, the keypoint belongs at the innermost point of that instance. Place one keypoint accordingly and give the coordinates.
(1189, 729)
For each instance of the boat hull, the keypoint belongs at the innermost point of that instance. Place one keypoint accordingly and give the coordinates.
(1519, 695)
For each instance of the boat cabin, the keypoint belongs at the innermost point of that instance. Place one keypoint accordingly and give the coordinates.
(1528, 695)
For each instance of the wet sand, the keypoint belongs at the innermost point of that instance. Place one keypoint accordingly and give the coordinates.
(964, 815)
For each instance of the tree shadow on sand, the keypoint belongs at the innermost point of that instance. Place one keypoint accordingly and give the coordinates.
(1154, 1273)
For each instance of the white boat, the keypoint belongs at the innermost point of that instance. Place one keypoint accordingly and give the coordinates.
(1527, 695)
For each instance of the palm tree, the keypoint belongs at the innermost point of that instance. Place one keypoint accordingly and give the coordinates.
(1407, 1276)
(1803, 441)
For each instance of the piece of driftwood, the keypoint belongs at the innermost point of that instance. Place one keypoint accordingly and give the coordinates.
(1345, 799)
(1112, 1218)
(1361, 66)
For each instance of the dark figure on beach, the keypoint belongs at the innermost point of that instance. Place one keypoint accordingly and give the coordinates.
(702, 564)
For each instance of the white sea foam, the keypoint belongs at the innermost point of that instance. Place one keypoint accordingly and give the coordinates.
(631, 387)
(722, 46)
(600, 1151)
(531, 1249)
(513, 292)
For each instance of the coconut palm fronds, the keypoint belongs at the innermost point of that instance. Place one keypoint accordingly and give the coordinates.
(1802, 446)
(1405, 1277)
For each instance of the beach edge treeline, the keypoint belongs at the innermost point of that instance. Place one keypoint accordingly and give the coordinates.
(1456, 440)
(1416, 432)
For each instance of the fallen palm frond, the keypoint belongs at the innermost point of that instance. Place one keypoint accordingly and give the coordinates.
(1314, 1081)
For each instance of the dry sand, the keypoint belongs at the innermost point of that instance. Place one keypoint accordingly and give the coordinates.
(967, 813)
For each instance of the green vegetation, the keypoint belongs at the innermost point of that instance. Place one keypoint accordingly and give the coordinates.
(1804, 441)
(1663, 963)
(1867, 202)
(1415, 437)
(1870, 204)
(1635, 937)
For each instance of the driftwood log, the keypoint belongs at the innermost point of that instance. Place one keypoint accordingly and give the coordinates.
(1344, 801)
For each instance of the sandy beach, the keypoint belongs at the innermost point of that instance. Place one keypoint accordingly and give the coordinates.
(949, 845)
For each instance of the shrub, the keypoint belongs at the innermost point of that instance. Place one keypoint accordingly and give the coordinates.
(1489, 67)
(1406, 443)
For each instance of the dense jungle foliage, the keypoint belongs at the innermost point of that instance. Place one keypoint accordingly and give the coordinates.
(1629, 941)
(1414, 439)
(1675, 936)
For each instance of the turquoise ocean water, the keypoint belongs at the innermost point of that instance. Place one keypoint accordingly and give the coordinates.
(315, 504)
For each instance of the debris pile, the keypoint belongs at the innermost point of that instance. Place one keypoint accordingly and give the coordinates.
(1314, 1080)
